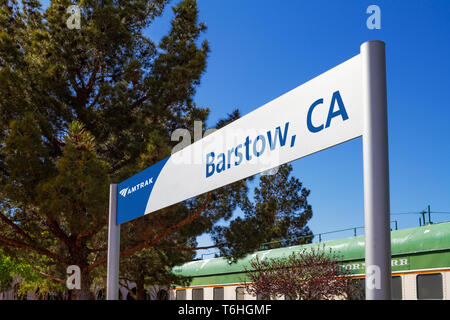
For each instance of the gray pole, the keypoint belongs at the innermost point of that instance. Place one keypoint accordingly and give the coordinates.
(376, 172)
(112, 281)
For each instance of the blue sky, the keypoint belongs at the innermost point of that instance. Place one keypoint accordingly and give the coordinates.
(261, 49)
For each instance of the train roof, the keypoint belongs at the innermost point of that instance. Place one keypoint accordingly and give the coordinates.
(432, 237)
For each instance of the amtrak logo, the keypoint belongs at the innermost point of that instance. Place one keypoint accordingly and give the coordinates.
(123, 192)
(129, 190)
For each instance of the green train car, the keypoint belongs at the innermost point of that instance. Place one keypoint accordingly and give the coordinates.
(420, 266)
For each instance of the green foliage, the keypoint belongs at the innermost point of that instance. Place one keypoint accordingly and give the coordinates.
(15, 269)
(80, 109)
(280, 210)
(152, 266)
(79, 190)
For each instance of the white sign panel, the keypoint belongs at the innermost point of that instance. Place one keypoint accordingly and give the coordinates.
(319, 114)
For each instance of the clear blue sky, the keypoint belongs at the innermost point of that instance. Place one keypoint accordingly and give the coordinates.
(261, 49)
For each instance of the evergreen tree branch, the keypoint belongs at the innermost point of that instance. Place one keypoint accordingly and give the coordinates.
(57, 231)
(93, 76)
(187, 248)
(47, 275)
(119, 165)
(169, 230)
(158, 237)
(184, 222)
(18, 244)
(54, 228)
(16, 228)
(130, 291)
(171, 248)
(87, 235)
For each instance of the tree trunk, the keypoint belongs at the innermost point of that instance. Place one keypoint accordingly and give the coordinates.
(140, 290)
(84, 293)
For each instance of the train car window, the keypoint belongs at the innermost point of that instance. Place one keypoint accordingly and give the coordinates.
(359, 289)
(429, 286)
(197, 294)
(261, 297)
(218, 293)
(240, 293)
(396, 288)
(181, 294)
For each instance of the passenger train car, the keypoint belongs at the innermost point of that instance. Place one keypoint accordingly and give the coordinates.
(420, 266)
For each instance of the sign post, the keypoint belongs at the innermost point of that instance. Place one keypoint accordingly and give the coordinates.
(341, 104)
(112, 281)
(376, 172)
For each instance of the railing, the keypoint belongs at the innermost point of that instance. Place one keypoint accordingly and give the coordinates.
(284, 242)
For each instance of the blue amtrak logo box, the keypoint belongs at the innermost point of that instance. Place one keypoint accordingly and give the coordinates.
(133, 193)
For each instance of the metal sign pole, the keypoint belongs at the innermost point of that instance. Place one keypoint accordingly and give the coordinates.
(112, 281)
(376, 172)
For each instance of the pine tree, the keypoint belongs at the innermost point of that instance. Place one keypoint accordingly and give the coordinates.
(279, 212)
(83, 108)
